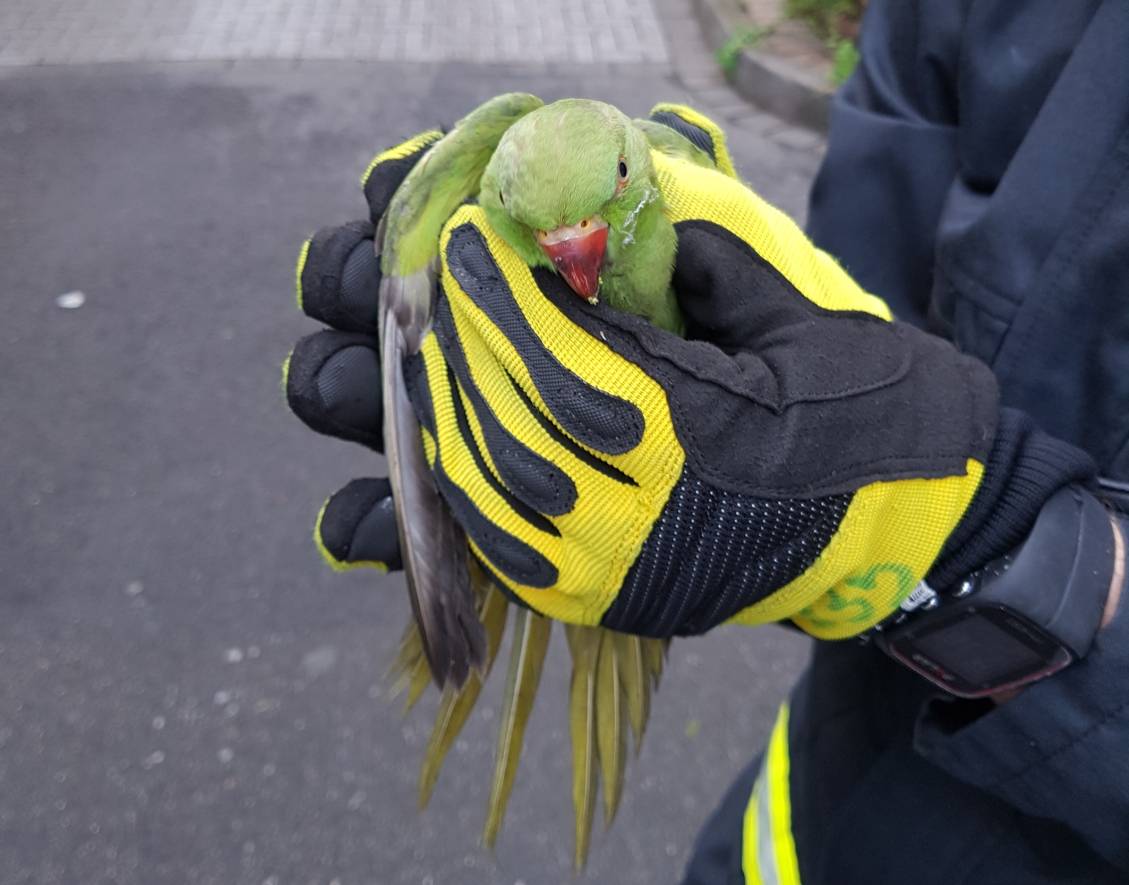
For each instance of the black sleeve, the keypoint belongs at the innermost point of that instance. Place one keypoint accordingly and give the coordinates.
(1059, 750)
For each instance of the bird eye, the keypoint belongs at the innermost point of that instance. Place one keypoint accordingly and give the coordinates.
(584, 224)
(622, 169)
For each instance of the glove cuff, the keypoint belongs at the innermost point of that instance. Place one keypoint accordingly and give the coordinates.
(1025, 468)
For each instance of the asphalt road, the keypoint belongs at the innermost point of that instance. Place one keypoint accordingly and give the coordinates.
(187, 695)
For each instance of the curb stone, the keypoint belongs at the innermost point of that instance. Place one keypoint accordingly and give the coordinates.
(775, 84)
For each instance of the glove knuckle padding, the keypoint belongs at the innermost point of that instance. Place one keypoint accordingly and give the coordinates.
(458, 464)
(539, 483)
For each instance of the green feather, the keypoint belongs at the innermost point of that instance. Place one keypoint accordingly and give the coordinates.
(584, 644)
(457, 703)
(636, 683)
(610, 719)
(673, 144)
(446, 177)
(530, 642)
(410, 673)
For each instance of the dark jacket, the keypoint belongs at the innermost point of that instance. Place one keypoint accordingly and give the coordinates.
(977, 178)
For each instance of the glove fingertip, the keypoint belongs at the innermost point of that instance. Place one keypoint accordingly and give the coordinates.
(286, 376)
(699, 130)
(338, 277)
(332, 384)
(356, 528)
(333, 554)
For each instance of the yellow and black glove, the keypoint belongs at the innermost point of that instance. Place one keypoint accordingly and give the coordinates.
(798, 456)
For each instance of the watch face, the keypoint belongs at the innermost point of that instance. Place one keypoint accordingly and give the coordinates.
(972, 651)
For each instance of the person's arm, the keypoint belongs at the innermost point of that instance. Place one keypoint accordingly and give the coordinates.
(797, 456)
(892, 152)
(1055, 749)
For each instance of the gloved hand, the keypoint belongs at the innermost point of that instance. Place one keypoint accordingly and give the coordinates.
(332, 378)
(798, 457)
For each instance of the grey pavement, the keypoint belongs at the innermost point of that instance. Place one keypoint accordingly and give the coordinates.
(69, 31)
(187, 695)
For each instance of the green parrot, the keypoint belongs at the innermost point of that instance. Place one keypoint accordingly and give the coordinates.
(569, 186)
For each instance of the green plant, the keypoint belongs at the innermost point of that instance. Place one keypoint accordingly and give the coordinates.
(844, 58)
(828, 18)
(728, 54)
(836, 22)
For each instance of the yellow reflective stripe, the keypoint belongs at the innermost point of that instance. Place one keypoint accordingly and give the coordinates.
(780, 801)
(750, 839)
(768, 850)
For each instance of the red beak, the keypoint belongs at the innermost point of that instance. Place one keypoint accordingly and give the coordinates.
(577, 251)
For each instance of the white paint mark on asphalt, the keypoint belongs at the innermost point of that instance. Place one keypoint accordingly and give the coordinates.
(153, 760)
(319, 661)
(71, 300)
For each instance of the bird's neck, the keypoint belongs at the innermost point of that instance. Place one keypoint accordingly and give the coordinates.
(640, 263)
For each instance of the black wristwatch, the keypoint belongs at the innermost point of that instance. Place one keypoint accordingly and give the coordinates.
(1020, 618)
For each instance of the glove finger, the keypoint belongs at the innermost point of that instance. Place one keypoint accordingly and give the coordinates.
(480, 503)
(332, 382)
(357, 527)
(539, 483)
(338, 277)
(389, 168)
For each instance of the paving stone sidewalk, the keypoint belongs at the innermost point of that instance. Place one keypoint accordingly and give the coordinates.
(664, 35)
(74, 31)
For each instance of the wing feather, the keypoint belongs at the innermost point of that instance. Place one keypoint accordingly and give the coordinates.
(432, 545)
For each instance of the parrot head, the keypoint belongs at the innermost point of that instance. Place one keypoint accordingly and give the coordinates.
(566, 186)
